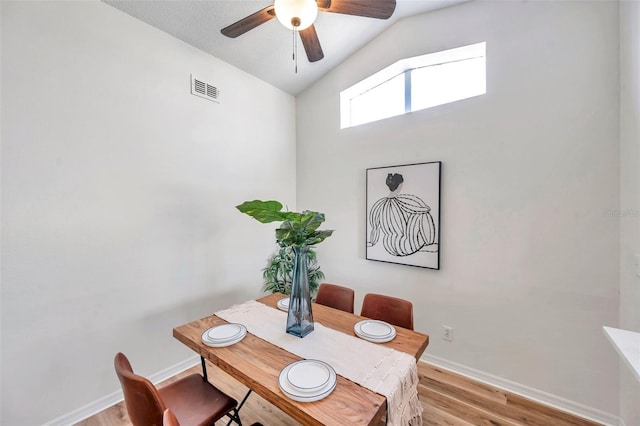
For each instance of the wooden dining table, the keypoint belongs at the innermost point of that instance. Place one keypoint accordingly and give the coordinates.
(257, 363)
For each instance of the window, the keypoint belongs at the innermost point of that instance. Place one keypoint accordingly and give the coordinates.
(416, 83)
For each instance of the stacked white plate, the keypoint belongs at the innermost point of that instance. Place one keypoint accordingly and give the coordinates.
(224, 335)
(307, 380)
(375, 331)
(283, 304)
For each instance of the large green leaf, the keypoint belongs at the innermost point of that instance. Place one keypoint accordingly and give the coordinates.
(290, 234)
(318, 237)
(311, 220)
(263, 211)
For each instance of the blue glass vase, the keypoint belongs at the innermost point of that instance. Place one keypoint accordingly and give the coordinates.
(300, 317)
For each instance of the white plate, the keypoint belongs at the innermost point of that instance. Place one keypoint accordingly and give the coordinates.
(375, 339)
(375, 331)
(283, 304)
(223, 344)
(296, 395)
(219, 344)
(374, 328)
(225, 332)
(309, 375)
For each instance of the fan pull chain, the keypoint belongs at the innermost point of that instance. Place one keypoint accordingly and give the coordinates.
(295, 49)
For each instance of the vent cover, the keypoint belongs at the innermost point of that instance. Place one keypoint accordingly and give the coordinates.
(204, 90)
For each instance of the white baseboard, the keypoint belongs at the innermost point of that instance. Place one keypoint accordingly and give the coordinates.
(115, 397)
(526, 391)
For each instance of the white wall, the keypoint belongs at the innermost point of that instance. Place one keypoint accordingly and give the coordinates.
(629, 196)
(529, 262)
(118, 195)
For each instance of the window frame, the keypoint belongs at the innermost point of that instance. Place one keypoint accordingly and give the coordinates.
(405, 67)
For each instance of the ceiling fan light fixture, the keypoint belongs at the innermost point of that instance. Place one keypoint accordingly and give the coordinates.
(298, 14)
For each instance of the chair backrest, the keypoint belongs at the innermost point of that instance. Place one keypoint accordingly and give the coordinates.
(144, 404)
(169, 419)
(390, 309)
(336, 296)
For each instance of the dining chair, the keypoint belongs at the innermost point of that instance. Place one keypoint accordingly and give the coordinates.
(390, 309)
(169, 419)
(192, 399)
(336, 296)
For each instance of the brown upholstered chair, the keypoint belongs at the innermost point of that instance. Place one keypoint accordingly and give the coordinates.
(336, 296)
(169, 419)
(390, 309)
(192, 399)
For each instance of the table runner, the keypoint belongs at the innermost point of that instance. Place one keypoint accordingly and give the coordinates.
(386, 371)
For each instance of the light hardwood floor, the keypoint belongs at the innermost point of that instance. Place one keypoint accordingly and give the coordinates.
(448, 399)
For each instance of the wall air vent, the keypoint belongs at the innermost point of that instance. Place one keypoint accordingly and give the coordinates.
(204, 90)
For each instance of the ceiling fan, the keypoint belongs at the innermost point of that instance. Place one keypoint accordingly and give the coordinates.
(300, 14)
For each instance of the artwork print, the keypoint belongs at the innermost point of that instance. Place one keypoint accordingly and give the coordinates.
(403, 214)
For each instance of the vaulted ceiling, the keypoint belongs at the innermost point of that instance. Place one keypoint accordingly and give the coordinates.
(266, 51)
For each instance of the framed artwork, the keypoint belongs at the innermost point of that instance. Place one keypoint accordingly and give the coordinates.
(403, 214)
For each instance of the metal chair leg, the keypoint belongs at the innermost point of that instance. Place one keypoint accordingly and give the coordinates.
(236, 417)
(244, 400)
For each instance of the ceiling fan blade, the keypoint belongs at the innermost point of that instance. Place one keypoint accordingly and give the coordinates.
(250, 22)
(381, 9)
(311, 44)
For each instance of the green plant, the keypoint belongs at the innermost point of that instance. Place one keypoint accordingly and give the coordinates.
(279, 272)
(296, 230)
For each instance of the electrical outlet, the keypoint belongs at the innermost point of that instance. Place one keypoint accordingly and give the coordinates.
(447, 333)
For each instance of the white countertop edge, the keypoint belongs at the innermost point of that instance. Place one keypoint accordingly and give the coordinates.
(627, 344)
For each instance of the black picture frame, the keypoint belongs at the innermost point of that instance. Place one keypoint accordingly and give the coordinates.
(403, 214)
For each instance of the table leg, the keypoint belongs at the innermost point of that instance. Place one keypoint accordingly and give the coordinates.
(204, 369)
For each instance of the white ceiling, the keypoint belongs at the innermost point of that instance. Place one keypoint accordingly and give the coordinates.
(266, 51)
